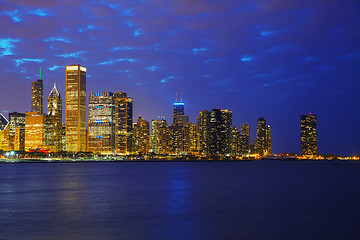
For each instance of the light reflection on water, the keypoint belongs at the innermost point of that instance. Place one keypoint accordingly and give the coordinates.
(248, 200)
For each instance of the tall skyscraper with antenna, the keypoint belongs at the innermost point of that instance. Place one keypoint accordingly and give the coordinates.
(37, 95)
(179, 117)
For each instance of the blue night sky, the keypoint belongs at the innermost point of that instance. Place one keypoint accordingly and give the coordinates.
(276, 59)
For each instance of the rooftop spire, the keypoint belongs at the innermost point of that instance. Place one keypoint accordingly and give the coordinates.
(40, 73)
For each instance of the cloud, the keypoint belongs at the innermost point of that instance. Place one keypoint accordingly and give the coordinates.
(137, 32)
(17, 15)
(58, 39)
(71, 55)
(23, 60)
(247, 58)
(118, 60)
(53, 68)
(6, 46)
(89, 27)
(198, 50)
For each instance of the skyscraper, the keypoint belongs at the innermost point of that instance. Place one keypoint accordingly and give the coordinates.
(245, 139)
(17, 131)
(37, 96)
(3, 122)
(308, 135)
(220, 131)
(143, 136)
(260, 140)
(4, 134)
(123, 123)
(268, 140)
(235, 142)
(179, 117)
(37, 131)
(75, 116)
(54, 110)
(160, 136)
(101, 122)
(203, 129)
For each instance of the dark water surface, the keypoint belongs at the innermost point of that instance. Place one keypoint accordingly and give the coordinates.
(181, 200)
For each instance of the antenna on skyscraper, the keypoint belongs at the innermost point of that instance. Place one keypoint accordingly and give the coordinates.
(181, 96)
(176, 97)
(40, 73)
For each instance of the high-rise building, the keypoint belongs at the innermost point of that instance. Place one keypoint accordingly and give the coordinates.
(17, 137)
(143, 136)
(193, 147)
(203, 129)
(37, 96)
(245, 139)
(220, 131)
(308, 135)
(268, 140)
(3, 122)
(4, 134)
(179, 117)
(37, 131)
(54, 110)
(123, 123)
(101, 122)
(160, 136)
(75, 116)
(260, 140)
(234, 142)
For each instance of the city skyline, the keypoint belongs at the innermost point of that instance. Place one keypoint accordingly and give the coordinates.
(264, 73)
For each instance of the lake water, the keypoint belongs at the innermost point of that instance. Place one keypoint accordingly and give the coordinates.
(181, 200)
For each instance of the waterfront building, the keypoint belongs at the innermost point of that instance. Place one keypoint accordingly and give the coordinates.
(260, 140)
(37, 96)
(142, 136)
(4, 134)
(308, 135)
(193, 147)
(3, 122)
(54, 110)
(179, 117)
(75, 115)
(234, 142)
(268, 140)
(220, 131)
(160, 136)
(37, 131)
(63, 134)
(203, 131)
(123, 123)
(244, 140)
(101, 125)
(17, 131)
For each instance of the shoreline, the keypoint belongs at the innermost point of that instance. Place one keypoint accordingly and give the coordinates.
(40, 160)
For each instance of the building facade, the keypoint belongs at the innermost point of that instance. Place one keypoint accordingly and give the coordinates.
(220, 132)
(37, 131)
(244, 140)
(101, 123)
(308, 135)
(123, 123)
(203, 130)
(75, 115)
(37, 96)
(17, 131)
(54, 111)
(160, 136)
(142, 136)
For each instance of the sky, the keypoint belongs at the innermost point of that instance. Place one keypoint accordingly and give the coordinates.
(276, 59)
